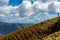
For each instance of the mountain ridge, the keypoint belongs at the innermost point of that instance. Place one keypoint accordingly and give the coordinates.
(6, 28)
(35, 32)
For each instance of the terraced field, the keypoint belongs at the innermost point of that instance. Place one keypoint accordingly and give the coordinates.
(35, 32)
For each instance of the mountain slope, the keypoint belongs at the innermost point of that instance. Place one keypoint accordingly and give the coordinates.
(35, 32)
(53, 36)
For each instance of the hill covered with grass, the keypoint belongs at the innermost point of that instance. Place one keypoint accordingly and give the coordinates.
(53, 36)
(36, 31)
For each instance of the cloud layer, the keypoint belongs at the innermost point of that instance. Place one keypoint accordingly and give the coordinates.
(4, 2)
(27, 12)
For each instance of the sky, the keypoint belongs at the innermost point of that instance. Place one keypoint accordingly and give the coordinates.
(28, 11)
(15, 2)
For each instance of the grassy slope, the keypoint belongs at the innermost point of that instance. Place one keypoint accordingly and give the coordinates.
(27, 34)
(53, 36)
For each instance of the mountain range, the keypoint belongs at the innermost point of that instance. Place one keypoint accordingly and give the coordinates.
(6, 28)
(47, 30)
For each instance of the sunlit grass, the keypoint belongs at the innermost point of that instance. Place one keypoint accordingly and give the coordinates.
(28, 34)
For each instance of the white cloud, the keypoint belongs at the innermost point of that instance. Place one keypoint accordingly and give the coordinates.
(54, 6)
(2, 15)
(8, 9)
(40, 7)
(27, 12)
(25, 9)
(28, 9)
(57, 6)
(8, 12)
(44, 1)
(4, 2)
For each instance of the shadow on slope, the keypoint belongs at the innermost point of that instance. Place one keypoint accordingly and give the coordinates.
(53, 28)
(35, 32)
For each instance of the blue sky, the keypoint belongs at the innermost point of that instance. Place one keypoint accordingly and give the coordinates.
(28, 11)
(15, 2)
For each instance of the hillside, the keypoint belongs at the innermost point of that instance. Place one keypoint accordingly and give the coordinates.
(53, 36)
(35, 32)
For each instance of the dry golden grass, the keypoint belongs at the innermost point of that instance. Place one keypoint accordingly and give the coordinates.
(53, 36)
(28, 34)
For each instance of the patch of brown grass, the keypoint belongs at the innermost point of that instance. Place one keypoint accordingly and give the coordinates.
(27, 34)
